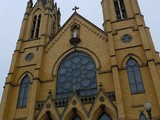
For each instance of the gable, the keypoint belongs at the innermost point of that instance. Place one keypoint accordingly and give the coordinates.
(85, 26)
(93, 42)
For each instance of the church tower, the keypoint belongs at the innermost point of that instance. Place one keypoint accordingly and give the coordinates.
(130, 43)
(80, 72)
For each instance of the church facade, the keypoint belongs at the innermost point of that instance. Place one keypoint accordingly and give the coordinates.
(81, 72)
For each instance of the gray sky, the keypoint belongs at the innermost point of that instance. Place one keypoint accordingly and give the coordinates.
(11, 15)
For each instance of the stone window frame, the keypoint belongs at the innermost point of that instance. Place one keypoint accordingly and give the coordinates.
(134, 77)
(24, 92)
(120, 9)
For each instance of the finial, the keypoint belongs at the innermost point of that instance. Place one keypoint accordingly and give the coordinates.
(59, 11)
(30, 3)
(74, 89)
(100, 86)
(50, 92)
(75, 8)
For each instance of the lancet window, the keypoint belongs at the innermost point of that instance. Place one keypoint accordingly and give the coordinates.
(104, 116)
(36, 26)
(23, 93)
(142, 117)
(120, 9)
(134, 77)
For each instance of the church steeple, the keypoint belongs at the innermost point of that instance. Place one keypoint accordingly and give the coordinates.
(29, 6)
(124, 15)
(36, 20)
(119, 11)
(127, 33)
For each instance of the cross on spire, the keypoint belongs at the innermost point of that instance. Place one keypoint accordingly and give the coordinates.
(75, 8)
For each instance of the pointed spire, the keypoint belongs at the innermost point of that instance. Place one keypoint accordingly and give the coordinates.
(55, 6)
(49, 1)
(30, 4)
(58, 11)
(49, 4)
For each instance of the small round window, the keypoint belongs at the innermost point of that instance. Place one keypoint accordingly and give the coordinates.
(126, 38)
(29, 57)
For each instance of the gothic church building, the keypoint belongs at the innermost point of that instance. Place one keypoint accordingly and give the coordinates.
(80, 72)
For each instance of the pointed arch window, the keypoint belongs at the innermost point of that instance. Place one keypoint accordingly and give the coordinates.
(76, 73)
(33, 26)
(23, 93)
(134, 77)
(76, 118)
(120, 9)
(47, 116)
(36, 26)
(104, 116)
(142, 117)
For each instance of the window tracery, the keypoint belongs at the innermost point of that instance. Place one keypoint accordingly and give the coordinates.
(76, 118)
(76, 73)
(134, 77)
(142, 117)
(23, 93)
(120, 9)
(104, 116)
(36, 26)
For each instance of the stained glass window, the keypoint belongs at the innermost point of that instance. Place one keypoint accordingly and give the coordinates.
(134, 77)
(142, 117)
(77, 71)
(76, 118)
(23, 93)
(104, 117)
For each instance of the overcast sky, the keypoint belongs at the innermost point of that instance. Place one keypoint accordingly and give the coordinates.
(11, 15)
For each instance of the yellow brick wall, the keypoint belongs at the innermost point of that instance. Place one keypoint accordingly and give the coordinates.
(109, 53)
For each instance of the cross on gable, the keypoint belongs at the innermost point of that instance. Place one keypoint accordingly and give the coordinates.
(75, 8)
(100, 85)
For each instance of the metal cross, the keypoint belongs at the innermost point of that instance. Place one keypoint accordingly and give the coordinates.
(75, 8)
(100, 85)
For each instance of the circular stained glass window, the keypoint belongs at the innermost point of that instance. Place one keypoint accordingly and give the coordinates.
(29, 57)
(67, 84)
(59, 90)
(77, 85)
(67, 63)
(63, 71)
(77, 71)
(85, 82)
(62, 79)
(93, 84)
(126, 38)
